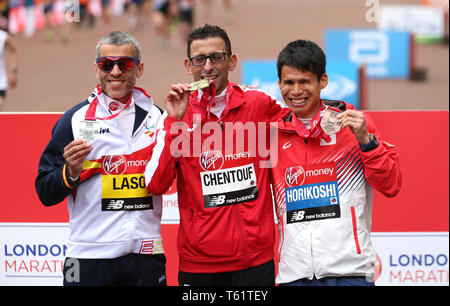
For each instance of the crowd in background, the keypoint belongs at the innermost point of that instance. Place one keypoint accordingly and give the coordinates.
(26, 17)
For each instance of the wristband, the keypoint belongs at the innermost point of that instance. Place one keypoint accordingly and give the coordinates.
(373, 144)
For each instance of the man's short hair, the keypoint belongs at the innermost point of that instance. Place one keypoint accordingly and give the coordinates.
(303, 55)
(119, 38)
(208, 31)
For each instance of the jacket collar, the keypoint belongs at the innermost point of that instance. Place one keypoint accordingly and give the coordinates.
(291, 123)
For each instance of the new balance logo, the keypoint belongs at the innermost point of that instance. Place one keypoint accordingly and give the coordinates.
(115, 205)
(217, 200)
(297, 216)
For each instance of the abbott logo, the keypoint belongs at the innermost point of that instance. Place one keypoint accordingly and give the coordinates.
(369, 47)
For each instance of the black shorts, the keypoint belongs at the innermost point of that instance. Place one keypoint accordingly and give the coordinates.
(3, 93)
(262, 275)
(128, 270)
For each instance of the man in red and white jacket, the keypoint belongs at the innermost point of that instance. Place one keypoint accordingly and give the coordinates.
(213, 144)
(329, 158)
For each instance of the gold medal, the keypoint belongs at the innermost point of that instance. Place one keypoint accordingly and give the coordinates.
(199, 85)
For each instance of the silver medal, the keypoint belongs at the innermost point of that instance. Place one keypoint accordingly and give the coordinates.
(89, 130)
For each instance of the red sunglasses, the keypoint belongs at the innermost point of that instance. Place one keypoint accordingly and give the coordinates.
(125, 63)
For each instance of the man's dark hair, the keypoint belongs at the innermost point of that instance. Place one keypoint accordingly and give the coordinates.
(303, 55)
(208, 31)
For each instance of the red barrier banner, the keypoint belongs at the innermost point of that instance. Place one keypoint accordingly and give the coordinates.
(410, 231)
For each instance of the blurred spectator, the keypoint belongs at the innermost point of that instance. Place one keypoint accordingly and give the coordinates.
(8, 80)
(186, 19)
(139, 14)
(164, 11)
(4, 8)
(228, 10)
(29, 18)
(105, 15)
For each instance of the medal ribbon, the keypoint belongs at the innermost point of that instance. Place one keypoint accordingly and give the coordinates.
(204, 106)
(90, 114)
(316, 130)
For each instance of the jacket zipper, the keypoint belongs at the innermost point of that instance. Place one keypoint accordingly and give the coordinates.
(310, 224)
(241, 231)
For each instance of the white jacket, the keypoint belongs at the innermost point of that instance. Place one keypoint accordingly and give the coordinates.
(323, 191)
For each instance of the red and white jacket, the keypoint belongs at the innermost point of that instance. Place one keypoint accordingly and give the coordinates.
(323, 192)
(224, 196)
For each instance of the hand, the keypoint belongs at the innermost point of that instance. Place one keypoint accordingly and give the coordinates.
(12, 80)
(357, 124)
(74, 154)
(177, 100)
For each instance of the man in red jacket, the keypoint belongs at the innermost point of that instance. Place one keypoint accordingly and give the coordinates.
(215, 141)
(330, 157)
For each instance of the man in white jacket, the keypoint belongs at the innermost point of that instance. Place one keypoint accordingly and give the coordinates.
(330, 157)
(96, 157)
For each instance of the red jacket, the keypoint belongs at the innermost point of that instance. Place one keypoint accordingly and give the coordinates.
(224, 197)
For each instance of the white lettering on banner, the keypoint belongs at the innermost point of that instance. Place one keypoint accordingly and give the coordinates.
(418, 19)
(322, 171)
(231, 295)
(310, 193)
(237, 156)
(137, 163)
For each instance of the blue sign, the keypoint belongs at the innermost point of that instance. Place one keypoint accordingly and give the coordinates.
(343, 82)
(343, 79)
(263, 75)
(386, 54)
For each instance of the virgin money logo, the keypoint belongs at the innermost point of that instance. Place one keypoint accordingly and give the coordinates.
(115, 164)
(378, 268)
(211, 160)
(295, 176)
(113, 106)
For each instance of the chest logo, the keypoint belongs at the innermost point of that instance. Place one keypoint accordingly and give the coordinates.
(295, 176)
(115, 164)
(211, 160)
